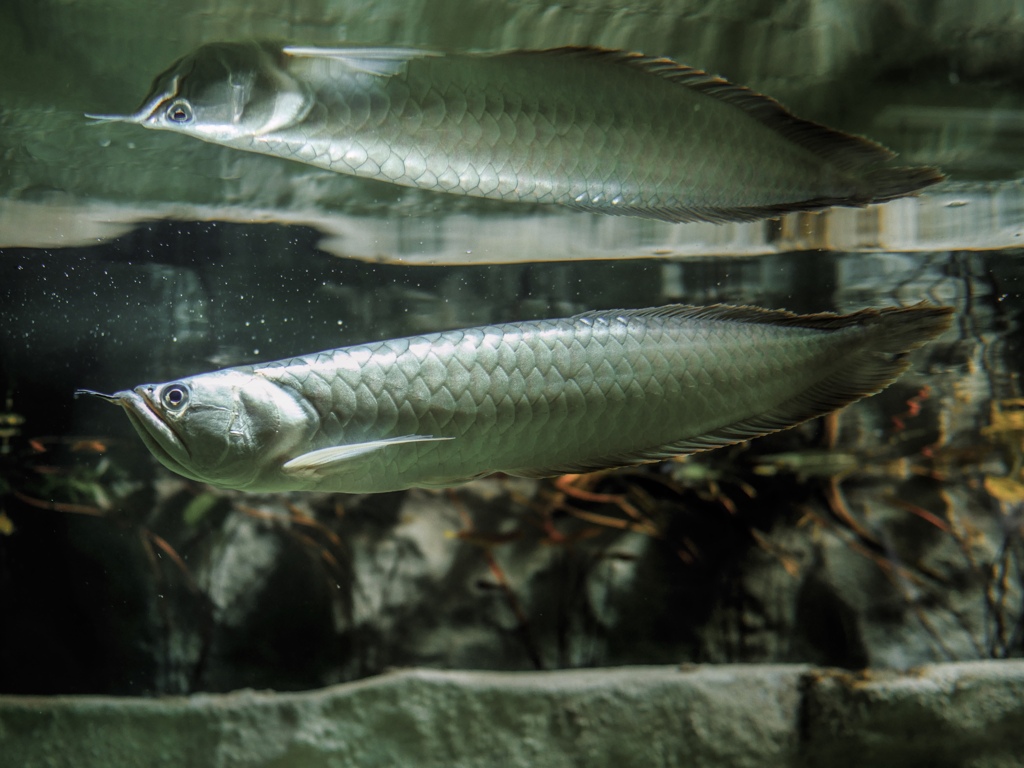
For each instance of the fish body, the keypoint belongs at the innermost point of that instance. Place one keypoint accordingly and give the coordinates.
(596, 129)
(534, 399)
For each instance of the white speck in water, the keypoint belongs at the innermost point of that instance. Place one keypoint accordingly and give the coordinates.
(104, 142)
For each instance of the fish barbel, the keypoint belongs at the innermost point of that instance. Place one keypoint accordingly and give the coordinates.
(534, 399)
(596, 129)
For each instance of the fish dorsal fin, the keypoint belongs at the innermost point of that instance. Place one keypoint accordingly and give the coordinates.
(382, 62)
(740, 313)
(843, 150)
(874, 362)
(327, 460)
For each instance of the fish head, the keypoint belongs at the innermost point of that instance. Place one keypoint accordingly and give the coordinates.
(226, 428)
(224, 93)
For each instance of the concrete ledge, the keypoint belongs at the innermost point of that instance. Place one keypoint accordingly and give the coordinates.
(957, 714)
(952, 714)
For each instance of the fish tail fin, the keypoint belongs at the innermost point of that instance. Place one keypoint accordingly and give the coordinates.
(892, 334)
(907, 328)
(884, 184)
(880, 359)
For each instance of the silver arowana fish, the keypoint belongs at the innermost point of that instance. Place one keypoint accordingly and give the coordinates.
(596, 129)
(539, 398)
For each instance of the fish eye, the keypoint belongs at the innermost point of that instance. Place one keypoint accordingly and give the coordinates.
(180, 112)
(175, 396)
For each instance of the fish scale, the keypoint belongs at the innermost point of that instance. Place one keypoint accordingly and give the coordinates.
(535, 398)
(601, 130)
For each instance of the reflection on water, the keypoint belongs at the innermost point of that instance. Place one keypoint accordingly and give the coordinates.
(429, 231)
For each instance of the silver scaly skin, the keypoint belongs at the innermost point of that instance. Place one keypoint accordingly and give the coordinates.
(595, 129)
(535, 398)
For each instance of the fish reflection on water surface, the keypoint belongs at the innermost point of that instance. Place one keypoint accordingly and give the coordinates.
(596, 129)
(534, 399)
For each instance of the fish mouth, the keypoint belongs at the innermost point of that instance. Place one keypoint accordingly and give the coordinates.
(143, 114)
(156, 433)
(166, 87)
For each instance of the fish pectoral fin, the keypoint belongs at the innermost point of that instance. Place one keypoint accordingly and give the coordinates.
(383, 62)
(328, 459)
